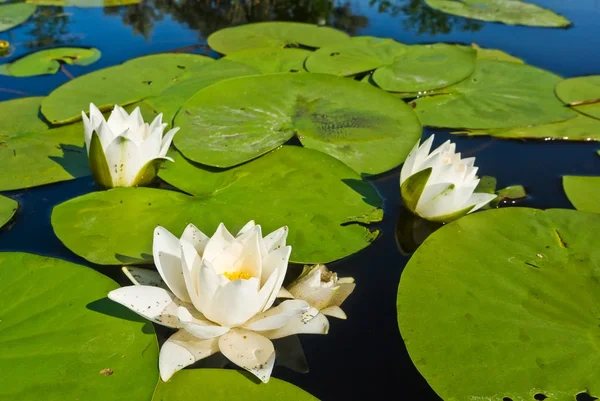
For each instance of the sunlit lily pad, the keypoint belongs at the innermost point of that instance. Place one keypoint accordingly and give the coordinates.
(225, 385)
(19, 116)
(273, 34)
(495, 54)
(496, 90)
(14, 14)
(310, 192)
(63, 340)
(368, 129)
(83, 3)
(583, 192)
(129, 82)
(272, 60)
(8, 208)
(48, 61)
(582, 93)
(512, 12)
(503, 305)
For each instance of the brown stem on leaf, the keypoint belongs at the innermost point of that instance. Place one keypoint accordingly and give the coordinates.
(583, 102)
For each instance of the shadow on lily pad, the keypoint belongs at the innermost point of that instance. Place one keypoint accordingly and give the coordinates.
(110, 308)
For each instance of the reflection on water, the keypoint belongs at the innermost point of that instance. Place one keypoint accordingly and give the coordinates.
(49, 27)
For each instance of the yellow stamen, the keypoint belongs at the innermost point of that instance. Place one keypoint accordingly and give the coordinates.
(237, 275)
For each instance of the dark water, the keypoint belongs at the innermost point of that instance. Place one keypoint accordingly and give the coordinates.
(363, 356)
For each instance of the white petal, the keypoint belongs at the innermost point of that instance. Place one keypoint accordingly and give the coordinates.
(250, 351)
(241, 255)
(307, 323)
(116, 120)
(277, 317)
(334, 311)
(409, 163)
(195, 323)
(96, 116)
(283, 293)
(195, 237)
(123, 160)
(480, 200)
(235, 303)
(141, 276)
(157, 124)
(423, 153)
(276, 239)
(153, 303)
(183, 349)
(166, 141)
(191, 266)
(150, 147)
(87, 131)
(248, 226)
(276, 261)
(217, 243)
(166, 252)
(105, 134)
(134, 120)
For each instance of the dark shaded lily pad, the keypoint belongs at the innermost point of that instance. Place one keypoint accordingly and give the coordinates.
(48, 61)
(14, 14)
(8, 208)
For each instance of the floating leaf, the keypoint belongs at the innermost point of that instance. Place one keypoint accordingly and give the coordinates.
(512, 12)
(273, 34)
(14, 14)
(515, 299)
(272, 60)
(61, 337)
(225, 385)
(48, 61)
(496, 90)
(368, 129)
(495, 54)
(84, 3)
(582, 93)
(8, 208)
(583, 192)
(20, 116)
(310, 192)
(129, 82)
(512, 192)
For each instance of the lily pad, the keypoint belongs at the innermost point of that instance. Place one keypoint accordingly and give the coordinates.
(273, 34)
(129, 82)
(61, 337)
(272, 60)
(19, 116)
(495, 54)
(48, 61)
(84, 3)
(496, 89)
(312, 193)
(516, 299)
(582, 93)
(583, 192)
(15, 14)
(366, 128)
(511, 12)
(225, 385)
(8, 208)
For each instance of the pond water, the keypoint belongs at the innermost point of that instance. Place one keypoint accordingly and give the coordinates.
(364, 355)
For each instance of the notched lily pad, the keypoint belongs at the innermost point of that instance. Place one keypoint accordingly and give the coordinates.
(14, 14)
(583, 192)
(48, 61)
(582, 94)
(8, 208)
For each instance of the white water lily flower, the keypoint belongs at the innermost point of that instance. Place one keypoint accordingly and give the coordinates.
(322, 289)
(221, 292)
(124, 151)
(439, 185)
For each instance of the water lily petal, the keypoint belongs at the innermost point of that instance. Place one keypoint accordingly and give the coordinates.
(142, 276)
(247, 227)
(409, 163)
(166, 251)
(195, 237)
(250, 351)
(96, 116)
(334, 311)
(166, 141)
(275, 262)
(98, 163)
(241, 255)
(153, 303)
(343, 292)
(277, 317)
(217, 243)
(105, 134)
(157, 124)
(183, 349)
(87, 131)
(150, 147)
(134, 120)
(235, 303)
(480, 200)
(276, 239)
(283, 293)
(310, 322)
(116, 120)
(191, 266)
(123, 160)
(195, 323)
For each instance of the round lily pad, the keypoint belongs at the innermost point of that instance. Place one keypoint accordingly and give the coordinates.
(582, 93)
(8, 208)
(273, 34)
(366, 128)
(48, 61)
(512, 12)
(63, 340)
(496, 89)
(129, 82)
(511, 312)
(583, 192)
(14, 14)
(225, 385)
(271, 60)
(315, 195)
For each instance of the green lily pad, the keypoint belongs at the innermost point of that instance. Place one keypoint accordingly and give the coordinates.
(272, 60)
(225, 385)
(273, 34)
(171, 99)
(495, 54)
(579, 128)
(512, 312)
(583, 93)
(129, 82)
(583, 192)
(511, 12)
(496, 89)
(48, 61)
(8, 208)
(15, 14)
(63, 340)
(19, 116)
(83, 3)
(312, 193)
(368, 129)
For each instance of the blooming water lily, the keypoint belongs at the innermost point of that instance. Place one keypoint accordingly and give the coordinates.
(439, 185)
(123, 151)
(220, 292)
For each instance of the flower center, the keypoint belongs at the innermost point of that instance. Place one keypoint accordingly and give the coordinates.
(237, 275)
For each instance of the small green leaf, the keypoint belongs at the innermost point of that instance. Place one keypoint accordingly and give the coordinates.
(14, 14)
(8, 208)
(583, 192)
(48, 61)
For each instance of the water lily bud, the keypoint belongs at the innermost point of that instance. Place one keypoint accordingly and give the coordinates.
(439, 185)
(322, 289)
(123, 151)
